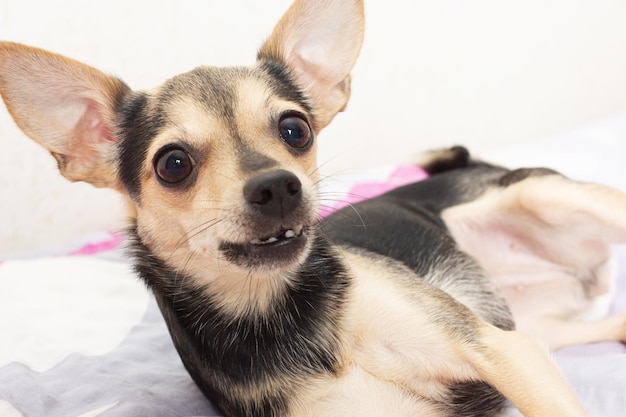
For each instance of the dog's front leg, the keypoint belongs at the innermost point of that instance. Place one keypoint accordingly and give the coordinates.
(521, 369)
(419, 337)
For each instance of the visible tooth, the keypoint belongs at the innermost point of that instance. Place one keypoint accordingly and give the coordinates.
(257, 241)
(288, 234)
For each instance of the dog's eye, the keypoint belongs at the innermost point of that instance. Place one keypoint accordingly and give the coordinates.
(173, 165)
(295, 131)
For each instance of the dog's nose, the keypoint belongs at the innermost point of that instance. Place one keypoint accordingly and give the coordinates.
(274, 193)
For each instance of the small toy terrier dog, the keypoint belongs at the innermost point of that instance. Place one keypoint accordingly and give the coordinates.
(403, 305)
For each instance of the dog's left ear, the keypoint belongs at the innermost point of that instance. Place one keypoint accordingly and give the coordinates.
(319, 41)
(67, 107)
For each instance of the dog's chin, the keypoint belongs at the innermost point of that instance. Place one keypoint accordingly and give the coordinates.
(281, 250)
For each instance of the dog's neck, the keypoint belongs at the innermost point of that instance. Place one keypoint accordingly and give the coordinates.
(301, 319)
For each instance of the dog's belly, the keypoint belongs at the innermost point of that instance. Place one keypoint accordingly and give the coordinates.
(534, 275)
(561, 295)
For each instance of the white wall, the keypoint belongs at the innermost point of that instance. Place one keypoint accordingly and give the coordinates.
(433, 72)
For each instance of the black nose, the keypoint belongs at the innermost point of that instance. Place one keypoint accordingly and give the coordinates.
(274, 193)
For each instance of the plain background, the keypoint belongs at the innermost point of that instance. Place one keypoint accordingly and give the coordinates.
(484, 73)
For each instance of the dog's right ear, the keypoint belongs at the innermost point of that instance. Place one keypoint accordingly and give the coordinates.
(319, 42)
(65, 106)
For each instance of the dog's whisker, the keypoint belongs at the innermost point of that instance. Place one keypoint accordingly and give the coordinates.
(184, 239)
(216, 203)
(202, 228)
(321, 165)
(179, 281)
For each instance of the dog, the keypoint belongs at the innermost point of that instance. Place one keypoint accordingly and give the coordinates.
(429, 300)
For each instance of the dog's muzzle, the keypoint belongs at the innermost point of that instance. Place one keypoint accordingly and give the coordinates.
(278, 217)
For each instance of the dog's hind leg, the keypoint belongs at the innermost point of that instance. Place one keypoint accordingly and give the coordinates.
(520, 368)
(546, 241)
(561, 332)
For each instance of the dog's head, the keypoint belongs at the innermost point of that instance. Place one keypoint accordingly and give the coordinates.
(218, 164)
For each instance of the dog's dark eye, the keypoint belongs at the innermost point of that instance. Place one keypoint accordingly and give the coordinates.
(173, 165)
(295, 131)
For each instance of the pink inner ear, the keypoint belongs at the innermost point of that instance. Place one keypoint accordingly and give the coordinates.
(92, 128)
(85, 149)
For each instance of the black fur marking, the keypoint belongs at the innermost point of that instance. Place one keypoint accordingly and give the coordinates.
(253, 161)
(212, 87)
(292, 341)
(137, 125)
(454, 158)
(521, 174)
(283, 83)
(452, 187)
(475, 399)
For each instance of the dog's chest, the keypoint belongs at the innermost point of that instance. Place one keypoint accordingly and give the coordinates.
(400, 357)
(400, 329)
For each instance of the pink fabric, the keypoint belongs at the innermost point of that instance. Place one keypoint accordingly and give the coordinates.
(403, 175)
(112, 242)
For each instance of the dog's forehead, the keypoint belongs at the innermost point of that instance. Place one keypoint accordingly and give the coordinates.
(210, 98)
(221, 89)
(215, 89)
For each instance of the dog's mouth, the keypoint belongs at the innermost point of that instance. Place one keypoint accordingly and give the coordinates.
(283, 236)
(274, 250)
